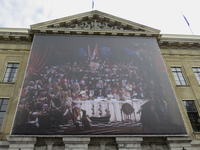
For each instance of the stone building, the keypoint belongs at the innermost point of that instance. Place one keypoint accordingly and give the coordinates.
(181, 55)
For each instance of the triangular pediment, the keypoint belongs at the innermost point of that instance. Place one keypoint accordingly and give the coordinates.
(94, 21)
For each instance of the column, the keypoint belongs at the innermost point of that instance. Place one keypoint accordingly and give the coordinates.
(102, 145)
(49, 145)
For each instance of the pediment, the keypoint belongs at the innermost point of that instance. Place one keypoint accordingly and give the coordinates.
(94, 21)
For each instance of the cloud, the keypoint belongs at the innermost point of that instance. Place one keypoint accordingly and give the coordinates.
(160, 14)
(23, 13)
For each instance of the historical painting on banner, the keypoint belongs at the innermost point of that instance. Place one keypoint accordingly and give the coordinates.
(96, 85)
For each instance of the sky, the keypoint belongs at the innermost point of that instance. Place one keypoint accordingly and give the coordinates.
(164, 15)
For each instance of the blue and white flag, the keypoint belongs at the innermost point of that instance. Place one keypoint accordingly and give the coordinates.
(92, 4)
(187, 23)
(186, 20)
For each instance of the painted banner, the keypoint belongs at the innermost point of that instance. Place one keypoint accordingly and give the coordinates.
(96, 85)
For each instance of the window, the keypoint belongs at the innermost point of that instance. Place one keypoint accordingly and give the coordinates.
(3, 107)
(178, 75)
(197, 73)
(193, 115)
(10, 72)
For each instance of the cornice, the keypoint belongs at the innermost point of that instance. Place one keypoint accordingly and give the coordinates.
(164, 40)
(174, 40)
(15, 34)
(91, 32)
(25, 34)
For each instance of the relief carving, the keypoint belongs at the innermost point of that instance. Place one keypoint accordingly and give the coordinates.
(105, 26)
(95, 25)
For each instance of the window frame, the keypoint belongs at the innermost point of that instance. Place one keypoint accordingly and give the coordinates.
(5, 69)
(197, 112)
(8, 98)
(183, 75)
(197, 72)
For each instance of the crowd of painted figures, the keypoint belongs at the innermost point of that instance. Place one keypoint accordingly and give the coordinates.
(58, 90)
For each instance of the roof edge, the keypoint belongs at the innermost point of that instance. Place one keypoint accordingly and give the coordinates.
(92, 13)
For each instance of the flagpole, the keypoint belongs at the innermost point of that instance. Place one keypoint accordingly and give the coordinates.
(191, 30)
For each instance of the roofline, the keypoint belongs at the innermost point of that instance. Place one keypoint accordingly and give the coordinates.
(91, 13)
(180, 36)
(165, 40)
(19, 30)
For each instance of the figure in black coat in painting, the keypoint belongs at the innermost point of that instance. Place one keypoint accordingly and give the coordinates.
(149, 115)
(85, 120)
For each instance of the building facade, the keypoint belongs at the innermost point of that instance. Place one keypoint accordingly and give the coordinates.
(181, 56)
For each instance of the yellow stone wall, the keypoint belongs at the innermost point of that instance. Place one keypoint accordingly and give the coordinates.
(12, 52)
(186, 58)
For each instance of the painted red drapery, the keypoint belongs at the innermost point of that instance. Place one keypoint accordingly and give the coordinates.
(39, 59)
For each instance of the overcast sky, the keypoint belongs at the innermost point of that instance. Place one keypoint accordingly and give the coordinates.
(164, 15)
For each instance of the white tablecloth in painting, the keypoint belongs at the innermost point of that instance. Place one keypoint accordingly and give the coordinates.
(114, 106)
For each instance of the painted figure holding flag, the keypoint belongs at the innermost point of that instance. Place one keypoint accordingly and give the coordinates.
(94, 53)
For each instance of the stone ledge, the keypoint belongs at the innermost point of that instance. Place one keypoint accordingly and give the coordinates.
(129, 143)
(22, 140)
(4, 144)
(127, 140)
(178, 139)
(197, 135)
(195, 143)
(25, 143)
(73, 140)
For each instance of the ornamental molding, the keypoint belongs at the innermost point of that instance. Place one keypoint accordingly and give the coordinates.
(95, 24)
(94, 21)
(14, 34)
(184, 41)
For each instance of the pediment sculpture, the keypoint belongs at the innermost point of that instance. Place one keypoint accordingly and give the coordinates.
(95, 25)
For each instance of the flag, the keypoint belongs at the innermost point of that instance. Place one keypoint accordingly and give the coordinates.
(187, 23)
(94, 53)
(82, 52)
(92, 4)
(89, 51)
(130, 52)
(186, 20)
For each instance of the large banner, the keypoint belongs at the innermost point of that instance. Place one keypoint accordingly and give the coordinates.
(96, 85)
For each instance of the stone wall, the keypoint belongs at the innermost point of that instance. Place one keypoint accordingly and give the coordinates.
(101, 143)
